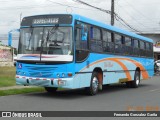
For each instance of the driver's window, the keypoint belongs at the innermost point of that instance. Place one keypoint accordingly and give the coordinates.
(82, 38)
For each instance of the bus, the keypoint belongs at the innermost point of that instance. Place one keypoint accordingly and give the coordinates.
(71, 51)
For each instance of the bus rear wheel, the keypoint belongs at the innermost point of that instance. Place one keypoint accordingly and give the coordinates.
(93, 89)
(135, 83)
(50, 89)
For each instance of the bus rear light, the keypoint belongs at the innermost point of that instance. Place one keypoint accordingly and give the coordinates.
(70, 74)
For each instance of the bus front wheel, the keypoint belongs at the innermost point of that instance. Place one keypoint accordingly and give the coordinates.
(50, 89)
(93, 89)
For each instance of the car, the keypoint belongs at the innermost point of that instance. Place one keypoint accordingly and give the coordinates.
(157, 66)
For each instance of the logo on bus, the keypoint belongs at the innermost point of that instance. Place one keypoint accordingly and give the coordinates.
(40, 74)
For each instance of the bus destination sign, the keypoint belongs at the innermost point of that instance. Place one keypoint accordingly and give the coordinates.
(46, 21)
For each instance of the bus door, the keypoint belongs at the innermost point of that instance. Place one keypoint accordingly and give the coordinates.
(82, 42)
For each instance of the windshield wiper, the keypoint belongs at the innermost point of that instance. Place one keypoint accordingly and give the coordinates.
(42, 45)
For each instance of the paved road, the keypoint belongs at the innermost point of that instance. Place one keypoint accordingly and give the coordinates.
(116, 98)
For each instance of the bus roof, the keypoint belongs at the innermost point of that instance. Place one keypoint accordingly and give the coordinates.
(103, 25)
(109, 27)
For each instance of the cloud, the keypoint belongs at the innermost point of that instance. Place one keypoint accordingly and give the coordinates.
(141, 14)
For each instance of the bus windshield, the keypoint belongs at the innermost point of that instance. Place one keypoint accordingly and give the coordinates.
(46, 40)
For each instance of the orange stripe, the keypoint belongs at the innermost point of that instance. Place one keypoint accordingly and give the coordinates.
(123, 67)
(115, 60)
(144, 72)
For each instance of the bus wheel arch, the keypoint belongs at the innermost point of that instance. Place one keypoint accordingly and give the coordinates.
(99, 71)
(95, 82)
(135, 83)
(138, 70)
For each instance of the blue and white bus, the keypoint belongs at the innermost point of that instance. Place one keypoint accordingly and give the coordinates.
(71, 51)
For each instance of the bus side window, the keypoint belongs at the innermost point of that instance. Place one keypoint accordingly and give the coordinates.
(128, 44)
(95, 39)
(118, 43)
(81, 35)
(108, 45)
(142, 48)
(148, 49)
(136, 47)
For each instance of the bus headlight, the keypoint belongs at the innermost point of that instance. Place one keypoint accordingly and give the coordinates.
(58, 75)
(63, 75)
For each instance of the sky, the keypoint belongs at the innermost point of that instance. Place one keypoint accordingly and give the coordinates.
(142, 15)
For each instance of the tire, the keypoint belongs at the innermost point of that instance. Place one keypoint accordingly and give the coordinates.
(135, 83)
(50, 89)
(93, 89)
(128, 84)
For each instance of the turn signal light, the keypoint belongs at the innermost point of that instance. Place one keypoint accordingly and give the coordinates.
(70, 74)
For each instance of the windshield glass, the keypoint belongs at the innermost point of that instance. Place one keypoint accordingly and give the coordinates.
(46, 40)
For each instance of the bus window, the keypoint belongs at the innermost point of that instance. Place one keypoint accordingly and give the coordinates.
(136, 43)
(84, 32)
(127, 46)
(142, 45)
(82, 37)
(118, 39)
(147, 46)
(95, 33)
(95, 42)
(128, 41)
(82, 42)
(118, 43)
(108, 46)
(106, 36)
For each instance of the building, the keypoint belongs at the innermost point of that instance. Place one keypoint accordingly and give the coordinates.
(15, 39)
(6, 55)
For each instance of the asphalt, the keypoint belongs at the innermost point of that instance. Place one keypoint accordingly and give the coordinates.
(117, 97)
(112, 98)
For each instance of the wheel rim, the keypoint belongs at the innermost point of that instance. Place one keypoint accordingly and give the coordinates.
(95, 84)
(137, 80)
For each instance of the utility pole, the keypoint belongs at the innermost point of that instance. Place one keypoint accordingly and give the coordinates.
(20, 18)
(112, 12)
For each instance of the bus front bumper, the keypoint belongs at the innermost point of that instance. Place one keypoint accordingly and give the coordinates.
(45, 82)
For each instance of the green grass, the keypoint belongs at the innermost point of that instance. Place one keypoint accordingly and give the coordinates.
(7, 76)
(20, 91)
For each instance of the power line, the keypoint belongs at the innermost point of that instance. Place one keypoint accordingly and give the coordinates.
(131, 16)
(107, 11)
